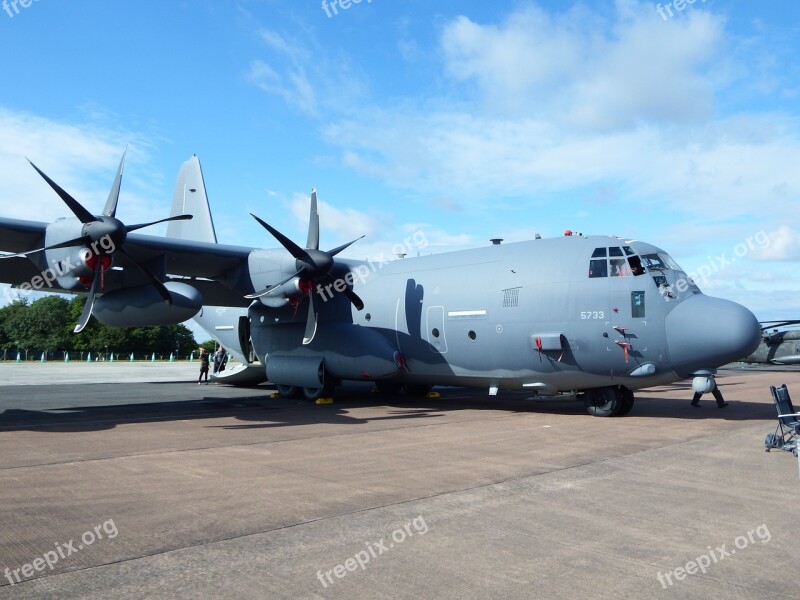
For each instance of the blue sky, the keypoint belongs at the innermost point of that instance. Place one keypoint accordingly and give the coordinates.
(464, 120)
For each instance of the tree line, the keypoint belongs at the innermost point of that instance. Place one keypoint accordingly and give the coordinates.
(46, 325)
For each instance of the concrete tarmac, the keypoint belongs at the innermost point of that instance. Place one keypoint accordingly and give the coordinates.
(132, 481)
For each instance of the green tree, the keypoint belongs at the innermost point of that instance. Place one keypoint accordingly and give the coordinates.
(47, 318)
(38, 326)
(48, 324)
(85, 341)
(210, 346)
(10, 319)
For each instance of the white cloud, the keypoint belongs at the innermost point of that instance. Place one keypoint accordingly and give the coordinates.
(292, 83)
(82, 158)
(308, 78)
(293, 86)
(584, 72)
(623, 101)
(784, 244)
(341, 224)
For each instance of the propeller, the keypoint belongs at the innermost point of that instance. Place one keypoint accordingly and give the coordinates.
(312, 265)
(778, 324)
(95, 230)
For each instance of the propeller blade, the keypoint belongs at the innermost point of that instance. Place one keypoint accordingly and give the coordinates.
(353, 297)
(130, 228)
(87, 308)
(336, 251)
(74, 242)
(313, 223)
(311, 322)
(110, 209)
(156, 282)
(272, 287)
(293, 248)
(77, 209)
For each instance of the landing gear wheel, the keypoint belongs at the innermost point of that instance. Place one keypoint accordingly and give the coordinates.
(602, 402)
(314, 394)
(418, 390)
(289, 391)
(627, 402)
(388, 388)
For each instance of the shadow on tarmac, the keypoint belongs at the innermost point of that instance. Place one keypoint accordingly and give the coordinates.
(255, 408)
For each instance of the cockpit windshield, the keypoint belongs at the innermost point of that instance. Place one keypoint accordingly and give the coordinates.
(660, 261)
(622, 262)
(615, 261)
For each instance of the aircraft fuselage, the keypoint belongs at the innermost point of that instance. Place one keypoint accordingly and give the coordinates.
(549, 315)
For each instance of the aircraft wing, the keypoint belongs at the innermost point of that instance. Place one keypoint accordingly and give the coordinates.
(20, 236)
(218, 271)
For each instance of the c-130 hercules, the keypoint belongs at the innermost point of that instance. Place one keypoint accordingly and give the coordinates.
(594, 316)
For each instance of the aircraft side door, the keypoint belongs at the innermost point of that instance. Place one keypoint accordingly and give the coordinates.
(244, 339)
(434, 318)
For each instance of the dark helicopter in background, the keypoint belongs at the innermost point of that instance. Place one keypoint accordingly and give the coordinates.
(780, 344)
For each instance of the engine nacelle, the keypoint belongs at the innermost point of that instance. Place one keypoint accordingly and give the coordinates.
(303, 371)
(282, 295)
(143, 306)
(73, 267)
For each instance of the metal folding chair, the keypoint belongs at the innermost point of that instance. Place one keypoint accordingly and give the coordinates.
(785, 436)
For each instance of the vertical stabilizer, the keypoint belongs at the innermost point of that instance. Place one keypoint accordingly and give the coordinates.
(190, 198)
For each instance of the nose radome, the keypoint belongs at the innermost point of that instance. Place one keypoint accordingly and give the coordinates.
(706, 333)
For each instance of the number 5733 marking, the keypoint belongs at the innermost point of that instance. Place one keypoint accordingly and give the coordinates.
(593, 314)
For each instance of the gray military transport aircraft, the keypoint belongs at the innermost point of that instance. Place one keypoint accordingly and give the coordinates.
(590, 316)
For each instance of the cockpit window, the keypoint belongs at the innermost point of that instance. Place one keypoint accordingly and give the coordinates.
(626, 265)
(660, 262)
(636, 265)
(654, 262)
(619, 267)
(598, 268)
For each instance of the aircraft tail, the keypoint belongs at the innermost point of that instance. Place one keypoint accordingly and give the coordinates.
(190, 198)
(229, 327)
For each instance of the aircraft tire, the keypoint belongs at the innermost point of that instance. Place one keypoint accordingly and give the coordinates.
(314, 394)
(627, 402)
(602, 402)
(289, 391)
(418, 389)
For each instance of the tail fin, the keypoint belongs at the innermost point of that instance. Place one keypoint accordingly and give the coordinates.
(190, 198)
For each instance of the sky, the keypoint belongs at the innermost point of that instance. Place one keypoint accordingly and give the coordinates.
(674, 123)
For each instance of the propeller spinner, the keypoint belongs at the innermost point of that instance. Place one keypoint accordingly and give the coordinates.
(313, 265)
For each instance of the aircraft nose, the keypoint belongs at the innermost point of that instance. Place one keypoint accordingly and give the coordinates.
(706, 333)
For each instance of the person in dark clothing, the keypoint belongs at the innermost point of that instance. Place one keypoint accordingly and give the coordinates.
(714, 391)
(203, 366)
(220, 358)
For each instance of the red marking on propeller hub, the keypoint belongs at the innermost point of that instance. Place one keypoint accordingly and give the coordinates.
(306, 285)
(105, 262)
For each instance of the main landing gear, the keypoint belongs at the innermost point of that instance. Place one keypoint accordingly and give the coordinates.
(313, 394)
(612, 401)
